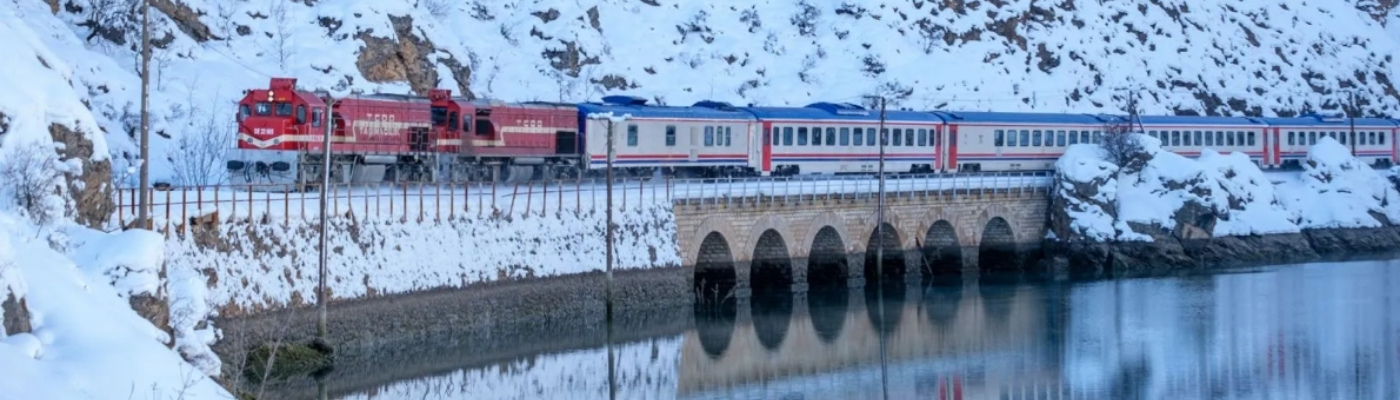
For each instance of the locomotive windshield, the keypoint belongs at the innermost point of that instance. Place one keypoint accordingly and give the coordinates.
(264, 108)
(284, 109)
(439, 116)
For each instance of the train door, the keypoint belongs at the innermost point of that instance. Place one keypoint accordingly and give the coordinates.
(1394, 147)
(1276, 147)
(767, 161)
(952, 152)
(694, 144)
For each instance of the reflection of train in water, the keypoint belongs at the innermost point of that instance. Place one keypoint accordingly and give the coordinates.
(444, 138)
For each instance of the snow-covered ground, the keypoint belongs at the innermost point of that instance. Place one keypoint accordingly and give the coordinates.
(1334, 190)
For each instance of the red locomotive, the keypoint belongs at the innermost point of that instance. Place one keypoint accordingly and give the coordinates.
(399, 138)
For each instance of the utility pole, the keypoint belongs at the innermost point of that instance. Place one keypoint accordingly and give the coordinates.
(880, 248)
(1351, 116)
(325, 187)
(611, 154)
(145, 198)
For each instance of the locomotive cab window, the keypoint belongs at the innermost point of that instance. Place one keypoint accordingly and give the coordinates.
(284, 109)
(317, 115)
(301, 114)
(452, 121)
(439, 116)
(264, 108)
(670, 135)
(466, 123)
(244, 111)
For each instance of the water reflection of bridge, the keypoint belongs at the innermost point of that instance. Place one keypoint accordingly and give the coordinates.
(955, 327)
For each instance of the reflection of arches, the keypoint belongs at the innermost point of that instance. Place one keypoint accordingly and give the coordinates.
(771, 270)
(892, 269)
(826, 264)
(771, 316)
(942, 252)
(998, 249)
(941, 303)
(997, 295)
(714, 324)
(891, 296)
(827, 310)
(714, 268)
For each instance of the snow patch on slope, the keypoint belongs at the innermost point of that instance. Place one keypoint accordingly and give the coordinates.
(271, 265)
(1337, 190)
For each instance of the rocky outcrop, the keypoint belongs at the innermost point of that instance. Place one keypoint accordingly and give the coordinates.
(16, 314)
(186, 19)
(402, 58)
(1174, 213)
(91, 188)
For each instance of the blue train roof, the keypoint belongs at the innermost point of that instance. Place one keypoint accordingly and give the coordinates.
(1197, 120)
(1021, 118)
(839, 112)
(637, 108)
(1330, 121)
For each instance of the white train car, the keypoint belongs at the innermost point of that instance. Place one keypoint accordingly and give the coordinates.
(707, 140)
(1189, 135)
(832, 138)
(1370, 139)
(996, 141)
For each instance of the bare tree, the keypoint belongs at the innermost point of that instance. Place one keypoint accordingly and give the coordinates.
(1118, 141)
(31, 176)
(280, 22)
(199, 155)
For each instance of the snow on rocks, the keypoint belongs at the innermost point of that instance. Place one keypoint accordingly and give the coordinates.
(1337, 190)
(86, 342)
(253, 267)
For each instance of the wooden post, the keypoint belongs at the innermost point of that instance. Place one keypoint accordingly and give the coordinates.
(184, 204)
(451, 201)
(560, 201)
(250, 202)
(121, 219)
(287, 205)
(513, 193)
(216, 199)
(578, 194)
(391, 200)
(267, 204)
(544, 197)
(493, 195)
(302, 195)
(405, 200)
(529, 197)
(421, 207)
(167, 210)
(199, 197)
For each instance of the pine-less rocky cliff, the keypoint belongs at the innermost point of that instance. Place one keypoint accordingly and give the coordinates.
(1162, 211)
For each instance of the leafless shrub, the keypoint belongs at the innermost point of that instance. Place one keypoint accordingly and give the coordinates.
(806, 18)
(436, 8)
(199, 155)
(32, 177)
(1122, 147)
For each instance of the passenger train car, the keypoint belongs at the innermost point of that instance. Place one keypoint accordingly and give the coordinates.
(440, 137)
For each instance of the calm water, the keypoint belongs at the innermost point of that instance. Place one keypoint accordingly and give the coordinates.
(1315, 331)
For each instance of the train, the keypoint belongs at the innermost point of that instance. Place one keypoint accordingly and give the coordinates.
(281, 131)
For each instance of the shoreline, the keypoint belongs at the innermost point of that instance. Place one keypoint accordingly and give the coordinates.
(1167, 253)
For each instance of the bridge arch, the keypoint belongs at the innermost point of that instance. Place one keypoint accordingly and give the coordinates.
(715, 276)
(827, 262)
(771, 268)
(997, 250)
(942, 251)
(893, 268)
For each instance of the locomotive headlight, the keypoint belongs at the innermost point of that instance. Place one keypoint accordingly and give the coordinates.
(269, 96)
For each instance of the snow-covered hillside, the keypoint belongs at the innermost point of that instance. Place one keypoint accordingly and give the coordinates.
(1240, 57)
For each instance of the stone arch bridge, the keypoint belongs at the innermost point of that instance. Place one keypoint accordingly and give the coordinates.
(802, 241)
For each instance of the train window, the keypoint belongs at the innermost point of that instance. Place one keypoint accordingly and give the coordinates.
(316, 114)
(909, 137)
(830, 136)
(1229, 139)
(264, 108)
(1073, 138)
(670, 135)
(438, 115)
(1371, 138)
(466, 123)
(898, 137)
(1084, 137)
(923, 137)
(1312, 138)
(1098, 136)
(845, 136)
(1196, 138)
(728, 136)
(284, 109)
(1025, 138)
(452, 121)
(1000, 139)
(816, 136)
(787, 136)
(858, 138)
(1060, 138)
(1250, 138)
(244, 111)
(870, 137)
(709, 136)
(802, 136)
(1291, 140)
(1035, 139)
(1172, 139)
(1382, 139)
(632, 135)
